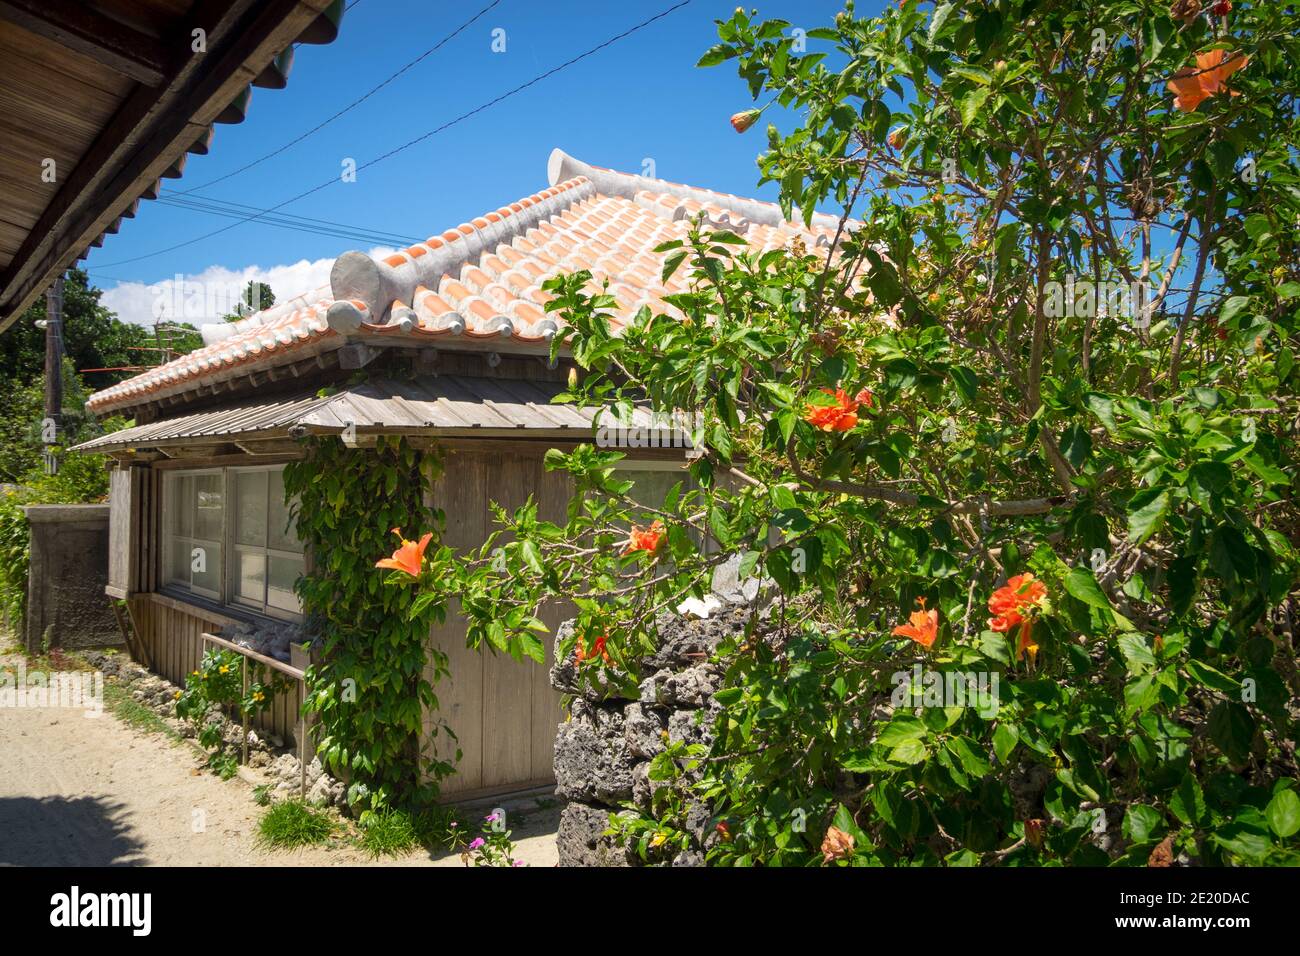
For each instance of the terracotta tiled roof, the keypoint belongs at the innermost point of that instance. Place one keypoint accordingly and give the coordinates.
(481, 282)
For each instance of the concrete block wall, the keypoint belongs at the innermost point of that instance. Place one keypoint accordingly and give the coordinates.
(66, 603)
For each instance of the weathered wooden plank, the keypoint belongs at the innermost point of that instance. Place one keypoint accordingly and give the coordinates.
(507, 683)
(553, 492)
(460, 494)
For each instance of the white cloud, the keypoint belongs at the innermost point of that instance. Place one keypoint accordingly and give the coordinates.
(209, 295)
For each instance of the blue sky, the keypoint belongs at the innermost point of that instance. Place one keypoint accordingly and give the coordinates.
(642, 98)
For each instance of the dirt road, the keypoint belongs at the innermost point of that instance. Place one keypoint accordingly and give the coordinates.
(78, 791)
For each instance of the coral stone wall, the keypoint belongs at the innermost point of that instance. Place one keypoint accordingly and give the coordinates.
(603, 751)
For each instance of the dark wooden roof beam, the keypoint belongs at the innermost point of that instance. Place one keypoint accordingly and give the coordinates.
(77, 26)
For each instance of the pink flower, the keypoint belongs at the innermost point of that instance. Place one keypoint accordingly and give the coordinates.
(476, 843)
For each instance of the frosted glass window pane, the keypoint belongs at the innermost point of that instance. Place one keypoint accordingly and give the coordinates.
(209, 507)
(252, 576)
(178, 560)
(178, 498)
(250, 507)
(280, 533)
(279, 591)
(210, 577)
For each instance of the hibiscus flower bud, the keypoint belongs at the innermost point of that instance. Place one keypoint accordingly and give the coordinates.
(744, 120)
(896, 138)
(836, 845)
(1222, 8)
(1034, 832)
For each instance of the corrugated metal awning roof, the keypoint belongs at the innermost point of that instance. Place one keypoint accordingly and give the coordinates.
(445, 405)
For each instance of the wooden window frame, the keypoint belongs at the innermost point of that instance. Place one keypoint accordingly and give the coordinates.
(226, 598)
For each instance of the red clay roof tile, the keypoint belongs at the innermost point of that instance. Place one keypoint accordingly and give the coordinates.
(496, 289)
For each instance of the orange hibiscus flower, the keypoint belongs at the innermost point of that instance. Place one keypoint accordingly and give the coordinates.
(841, 416)
(409, 557)
(647, 540)
(922, 626)
(1193, 87)
(1016, 603)
(597, 650)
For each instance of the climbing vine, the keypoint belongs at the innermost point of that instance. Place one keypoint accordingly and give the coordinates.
(376, 678)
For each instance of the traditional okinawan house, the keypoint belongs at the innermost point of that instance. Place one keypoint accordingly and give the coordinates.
(453, 338)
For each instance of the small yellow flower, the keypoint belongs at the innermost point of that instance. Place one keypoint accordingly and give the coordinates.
(259, 696)
(659, 838)
(224, 668)
(176, 696)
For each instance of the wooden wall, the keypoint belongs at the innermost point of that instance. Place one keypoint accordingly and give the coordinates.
(133, 497)
(504, 712)
(170, 630)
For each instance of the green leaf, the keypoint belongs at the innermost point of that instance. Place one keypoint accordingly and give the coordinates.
(1142, 823)
(672, 262)
(717, 54)
(972, 761)
(1082, 586)
(1232, 308)
(972, 103)
(908, 752)
(1241, 842)
(1187, 802)
(531, 557)
(1076, 444)
(900, 729)
(1136, 654)
(1283, 813)
(1232, 729)
(1146, 516)
(1103, 409)
(1207, 676)
(966, 380)
(1005, 739)
(939, 19)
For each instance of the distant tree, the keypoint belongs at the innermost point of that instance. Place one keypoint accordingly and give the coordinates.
(256, 297)
(22, 409)
(93, 338)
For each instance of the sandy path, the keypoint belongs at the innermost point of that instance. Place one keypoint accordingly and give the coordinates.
(77, 791)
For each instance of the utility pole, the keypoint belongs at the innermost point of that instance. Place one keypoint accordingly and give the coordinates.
(51, 427)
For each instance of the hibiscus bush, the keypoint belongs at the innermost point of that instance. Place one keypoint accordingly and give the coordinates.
(1025, 420)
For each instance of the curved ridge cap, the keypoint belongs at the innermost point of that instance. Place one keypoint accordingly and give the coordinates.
(561, 166)
(214, 332)
(379, 282)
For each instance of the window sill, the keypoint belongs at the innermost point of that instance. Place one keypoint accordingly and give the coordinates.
(209, 610)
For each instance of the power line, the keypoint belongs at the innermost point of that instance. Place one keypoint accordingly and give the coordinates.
(355, 103)
(419, 139)
(321, 227)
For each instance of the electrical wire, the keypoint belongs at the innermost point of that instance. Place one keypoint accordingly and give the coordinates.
(419, 139)
(355, 103)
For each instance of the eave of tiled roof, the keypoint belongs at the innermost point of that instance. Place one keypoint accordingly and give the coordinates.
(479, 285)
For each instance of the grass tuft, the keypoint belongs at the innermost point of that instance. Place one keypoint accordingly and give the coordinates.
(389, 833)
(120, 703)
(293, 824)
(399, 832)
